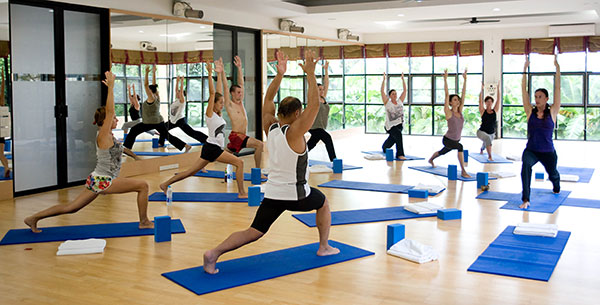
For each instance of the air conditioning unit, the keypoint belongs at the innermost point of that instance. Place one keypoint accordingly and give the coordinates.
(147, 46)
(567, 30)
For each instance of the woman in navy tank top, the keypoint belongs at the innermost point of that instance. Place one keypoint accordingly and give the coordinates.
(541, 118)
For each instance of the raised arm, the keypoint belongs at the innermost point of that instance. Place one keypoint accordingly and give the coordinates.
(211, 86)
(225, 87)
(526, 103)
(463, 94)
(295, 134)
(133, 98)
(154, 74)
(498, 98)
(403, 95)
(180, 94)
(268, 109)
(2, 96)
(556, 105)
(447, 110)
(326, 79)
(147, 86)
(481, 106)
(237, 61)
(384, 96)
(104, 139)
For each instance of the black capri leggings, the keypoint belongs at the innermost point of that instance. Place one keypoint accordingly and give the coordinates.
(450, 145)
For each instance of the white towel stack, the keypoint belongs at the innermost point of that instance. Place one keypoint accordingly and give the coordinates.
(85, 246)
(569, 178)
(413, 251)
(320, 168)
(502, 174)
(423, 208)
(374, 157)
(429, 187)
(536, 229)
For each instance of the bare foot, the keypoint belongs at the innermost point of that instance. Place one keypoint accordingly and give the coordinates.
(163, 187)
(431, 162)
(210, 260)
(524, 205)
(203, 170)
(187, 148)
(32, 223)
(401, 158)
(146, 224)
(262, 176)
(7, 173)
(490, 159)
(481, 151)
(464, 174)
(243, 195)
(328, 250)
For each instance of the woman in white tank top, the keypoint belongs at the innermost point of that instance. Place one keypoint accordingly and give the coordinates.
(287, 187)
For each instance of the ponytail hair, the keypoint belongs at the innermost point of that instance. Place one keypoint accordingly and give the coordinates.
(99, 116)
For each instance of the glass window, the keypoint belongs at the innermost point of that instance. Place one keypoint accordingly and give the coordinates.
(571, 62)
(133, 71)
(571, 89)
(441, 63)
(570, 123)
(421, 89)
(354, 66)
(194, 114)
(336, 117)
(355, 89)
(336, 67)
(293, 68)
(440, 124)
(355, 116)
(440, 94)
(473, 64)
(163, 90)
(194, 92)
(374, 89)
(271, 68)
(472, 121)
(420, 120)
(292, 86)
(594, 89)
(376, 118)
(513, 63)
(541, 63)
(421, 64)
(376, 65)
(514, 122)
(593, 61)
(542, 81)
(398, 65)
(335, 93)
(511, 89)
(119, 91)
(593, 124)
(473, 88)
(195, 69)
(117, 69)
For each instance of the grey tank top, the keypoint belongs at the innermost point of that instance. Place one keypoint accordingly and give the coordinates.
(455, 126)
(151, 112)
(108, 160)
(322, 117)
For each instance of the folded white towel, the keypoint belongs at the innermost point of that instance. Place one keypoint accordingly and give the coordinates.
(502, 174)
(423, 208)
(80, 251)
(535, 229)
(374, 157)
(432, 188)
(85, 246)
(569, 178)
(320, 168)
(413, 251)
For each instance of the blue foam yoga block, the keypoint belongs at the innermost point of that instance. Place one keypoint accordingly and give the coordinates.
(255, 176)
(337, 166)
(466, 156)
(162, 228)
(539, 176)
(418, 193)
(449, 214)
(452, 172)
(7, 145)
(395, 233)
(154, 143)
(254, 196)
(482, 179)
(389, 154)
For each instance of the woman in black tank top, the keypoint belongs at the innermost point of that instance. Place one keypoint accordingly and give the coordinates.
(488, 112)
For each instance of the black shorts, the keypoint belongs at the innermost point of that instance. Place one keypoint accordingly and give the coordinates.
(449, 145)
(270, 209)
(210, 152)
(2, 141)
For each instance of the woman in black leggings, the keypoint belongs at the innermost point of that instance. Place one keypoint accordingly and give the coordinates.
(394, 117)
(151, 118)
(318, 130)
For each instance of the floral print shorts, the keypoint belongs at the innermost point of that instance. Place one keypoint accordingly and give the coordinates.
(98, 184)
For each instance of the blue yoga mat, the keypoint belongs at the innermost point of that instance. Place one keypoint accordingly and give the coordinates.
(256, 268)
(199, 197)
(582, 203)
(156, 153)
(330, 164)
(378, 152)
(195, 144)
(585, 174)
(529, 257)
(547, 207)
(483, 158)
(105, 230)
(8, 157)
(221, 174)
(542, 200)
(443, 171)
(367, 186)
(362, 216)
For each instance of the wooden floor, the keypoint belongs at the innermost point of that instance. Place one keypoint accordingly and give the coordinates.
(129, 270)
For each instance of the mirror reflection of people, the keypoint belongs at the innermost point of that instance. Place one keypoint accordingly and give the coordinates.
(237, 113)
(151, 118)
(318, 130)
(214, 148)
(177, 115)
(487, 131)
(105, 177)
(3, 158)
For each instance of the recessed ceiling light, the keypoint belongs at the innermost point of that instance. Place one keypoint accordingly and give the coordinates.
(400, 15)
(141, 31)
(202, 26)
(496, 9)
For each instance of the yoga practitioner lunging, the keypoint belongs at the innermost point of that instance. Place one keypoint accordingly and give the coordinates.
(318, 130)
(487, 131)
(394, 117)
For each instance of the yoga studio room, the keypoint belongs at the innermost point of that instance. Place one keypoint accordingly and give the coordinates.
(300, 152)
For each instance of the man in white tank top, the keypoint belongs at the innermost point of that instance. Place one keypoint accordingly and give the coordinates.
(287, 187)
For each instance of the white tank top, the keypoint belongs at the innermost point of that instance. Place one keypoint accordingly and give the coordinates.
(216, 126)
(288, 175)
(394, 114)
(176, 113)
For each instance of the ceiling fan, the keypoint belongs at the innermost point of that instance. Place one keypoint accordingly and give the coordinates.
(474, 20)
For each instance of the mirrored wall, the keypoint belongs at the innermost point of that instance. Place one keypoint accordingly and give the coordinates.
(5, 102)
